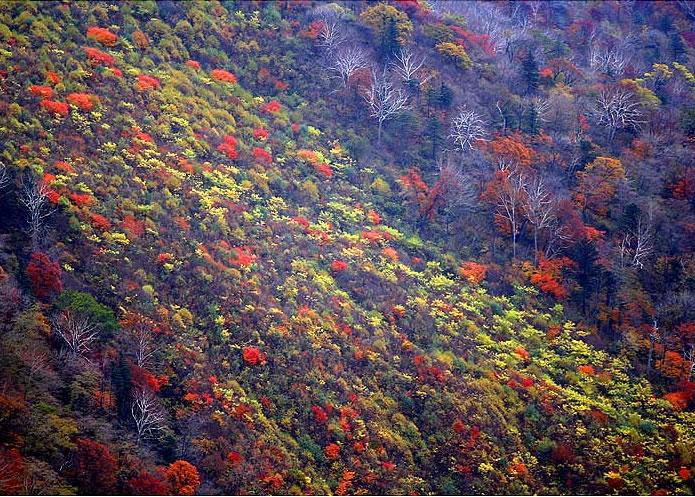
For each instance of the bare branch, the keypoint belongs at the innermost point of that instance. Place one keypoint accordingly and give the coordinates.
(148, 415)
(34, 197)
(467, 128)
(407, 67)
(4, 176)
(77, 332)
(617, 109)
(384, 101)
(347, 62)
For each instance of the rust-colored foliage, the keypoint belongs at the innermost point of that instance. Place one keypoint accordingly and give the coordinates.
(183, 478)
(140, 39)
(508, 152)
(332, 451)
(95, 467)
(598, 183)
(148, 484)
(194, 64)
(133, 227)
(97, 57)
(13, 467)
(102, 35)
(548, 276)
(44, 276)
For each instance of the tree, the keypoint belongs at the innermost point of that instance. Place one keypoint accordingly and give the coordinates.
(183, 478)
(4, 176)
(77, 332)
(636, 245)
(330, 36)
(507, 192)
(529, 70)
(467, 127)
(617, 109)
(407, 66)
(34, 197)
(392, 26)
(347, 62)
(44, 276)
(95, 468)
(597, 184)
(384, 101)
(148, 415)
(539, 208)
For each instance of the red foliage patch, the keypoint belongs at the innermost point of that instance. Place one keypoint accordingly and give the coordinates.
(320, 415)
(41, 91)
(272, 107)
(338, 266)
(134, 227)
(102, 35)
(228, 147)
(244, 257)
(224, 76)
(253, 356)
(374, 217)
(97, 57)
(473, 272)
(194, 64)
(100, 222)
(64, 167)
(56, 108)
(324, 169)
(53, 77)
(146, 83)
(260, 134)
(147, 484)
(234, 457)
(81, 199)
(261, 155)
(44, 276)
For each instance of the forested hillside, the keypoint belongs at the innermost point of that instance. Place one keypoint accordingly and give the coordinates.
(301, 247)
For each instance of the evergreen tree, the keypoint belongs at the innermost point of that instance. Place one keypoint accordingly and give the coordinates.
(389, 40)
(677, 47)
(529, 69)
(122, 387)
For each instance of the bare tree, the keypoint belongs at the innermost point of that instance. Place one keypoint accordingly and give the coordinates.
(509, 198)
(347, 62)
(611, 61)
(637, 245)
(148, 415)
(331, 35)
(77, 332)
(407, 66)
(144, 346)
(384, 100)
(616, 110)
(540, 209)
(4, 176)
(467, 127)
(34, 197)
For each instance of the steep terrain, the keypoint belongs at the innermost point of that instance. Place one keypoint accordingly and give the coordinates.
(235, 282)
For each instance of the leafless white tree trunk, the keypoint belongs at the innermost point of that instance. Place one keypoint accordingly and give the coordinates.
(510, 199)
(346, 62)
(144, 346)
(384, 100)
(77, 332)
(148, 415)
(407, 66)
(637, 245)
(540, 207)
(4, 176)
(467, 127)
(34, 197)
(616, 110)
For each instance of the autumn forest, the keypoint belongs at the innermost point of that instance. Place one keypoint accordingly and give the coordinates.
(302, 247)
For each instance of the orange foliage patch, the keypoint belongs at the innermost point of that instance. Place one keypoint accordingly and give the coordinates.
(244, 257)
(146, 83)
(102, 35)
(83, 101)
(473, 272)
(374, 217)
(100, 222)
(224, 76)
(193, 64)
(41, 91)
(338, 266)
(332, 451)
(56, 108)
